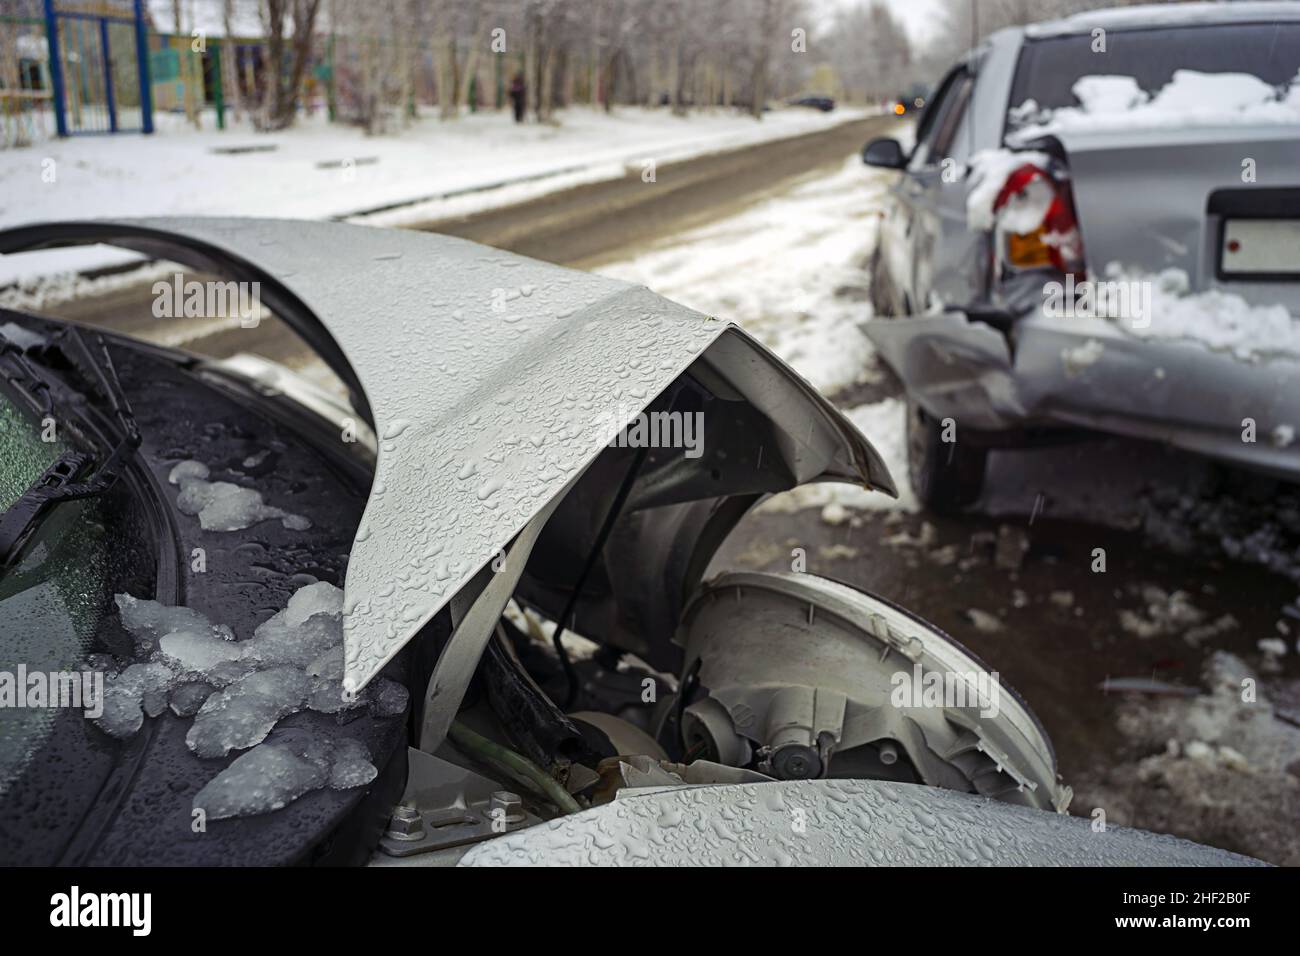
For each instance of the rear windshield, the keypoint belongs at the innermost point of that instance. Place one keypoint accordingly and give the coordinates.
(1050, 67)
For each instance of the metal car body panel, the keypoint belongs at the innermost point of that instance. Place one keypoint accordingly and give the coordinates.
(846, 823)
(492, 382)
(1147, 200)
(1143, 197)
(1146, 16)
(1173, 391)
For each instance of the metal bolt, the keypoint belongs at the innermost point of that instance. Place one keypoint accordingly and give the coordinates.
(510, 804)
(406, 823)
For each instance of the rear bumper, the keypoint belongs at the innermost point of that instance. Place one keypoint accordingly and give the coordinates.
(1092, 374)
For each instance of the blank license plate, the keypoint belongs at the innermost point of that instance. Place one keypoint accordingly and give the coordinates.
(1257, 247)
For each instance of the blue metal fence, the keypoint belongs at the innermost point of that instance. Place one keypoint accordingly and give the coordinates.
(99, 70)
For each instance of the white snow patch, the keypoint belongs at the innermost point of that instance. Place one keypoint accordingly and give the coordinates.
(1190, 99)
(1081, 357)
(1221, 321)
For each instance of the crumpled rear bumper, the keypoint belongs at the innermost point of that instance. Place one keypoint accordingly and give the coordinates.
(1090, 373)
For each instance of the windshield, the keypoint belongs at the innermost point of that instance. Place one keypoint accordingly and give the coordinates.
(1050, 68)
(55, 599)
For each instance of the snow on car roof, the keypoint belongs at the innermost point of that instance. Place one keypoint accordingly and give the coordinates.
(1165, 15)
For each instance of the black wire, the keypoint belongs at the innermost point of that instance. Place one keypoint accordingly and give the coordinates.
(570, 674)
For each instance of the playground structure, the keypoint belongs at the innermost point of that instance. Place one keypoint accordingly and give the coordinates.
(92, 67)
(70, 68)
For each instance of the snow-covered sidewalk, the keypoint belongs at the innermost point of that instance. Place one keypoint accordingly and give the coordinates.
(317, 170)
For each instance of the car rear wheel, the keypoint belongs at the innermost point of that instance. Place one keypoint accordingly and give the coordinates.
(947, 476)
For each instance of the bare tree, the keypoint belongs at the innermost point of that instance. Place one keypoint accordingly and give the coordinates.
(290, 28)
(870, 51)
(229, 67)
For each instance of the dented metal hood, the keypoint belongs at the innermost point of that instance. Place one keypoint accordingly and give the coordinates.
(489, 380)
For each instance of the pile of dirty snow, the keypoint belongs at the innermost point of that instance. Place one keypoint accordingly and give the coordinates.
(1221, 768)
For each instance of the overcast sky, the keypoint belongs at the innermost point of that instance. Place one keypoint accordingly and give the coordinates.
(917, 15)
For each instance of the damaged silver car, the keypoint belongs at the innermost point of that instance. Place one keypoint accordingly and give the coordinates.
(1098, 230)
(467, 614)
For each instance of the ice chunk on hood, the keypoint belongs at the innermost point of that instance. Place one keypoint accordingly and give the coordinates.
(128, 695)
(194, 651)
(223, 506)
(279, 641)
(245, 712)
(319, 598)
(237, 691)
(275, 773)
(147, 621)
(351, 766)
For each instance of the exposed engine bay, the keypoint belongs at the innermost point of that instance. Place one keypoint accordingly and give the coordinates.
(585, 692)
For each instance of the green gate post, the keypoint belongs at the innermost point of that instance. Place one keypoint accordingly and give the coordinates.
(331, 103)
(218, 98)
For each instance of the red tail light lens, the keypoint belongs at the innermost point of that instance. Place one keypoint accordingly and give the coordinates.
(1036, 219)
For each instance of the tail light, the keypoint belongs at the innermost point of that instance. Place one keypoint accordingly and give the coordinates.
(1036, 219)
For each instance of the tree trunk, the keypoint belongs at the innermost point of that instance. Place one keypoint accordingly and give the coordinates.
(304, 24)
(231, 89)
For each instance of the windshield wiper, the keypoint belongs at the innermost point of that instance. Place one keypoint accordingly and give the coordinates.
(74, 475)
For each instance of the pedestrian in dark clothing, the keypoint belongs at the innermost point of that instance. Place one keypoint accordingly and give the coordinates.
(519, 96)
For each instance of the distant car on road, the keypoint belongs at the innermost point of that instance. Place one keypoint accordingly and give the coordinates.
(1099, 228)
(823, 103)
(912, 100)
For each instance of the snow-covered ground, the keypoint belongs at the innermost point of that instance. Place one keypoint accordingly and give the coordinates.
(791, 270)
(317, 170)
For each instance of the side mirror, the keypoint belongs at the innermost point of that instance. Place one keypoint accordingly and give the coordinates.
(886, 153)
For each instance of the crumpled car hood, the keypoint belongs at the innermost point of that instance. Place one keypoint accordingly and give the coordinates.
(489, 380)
